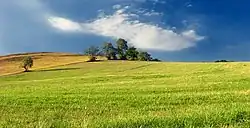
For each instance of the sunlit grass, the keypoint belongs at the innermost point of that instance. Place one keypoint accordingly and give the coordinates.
(128, 94)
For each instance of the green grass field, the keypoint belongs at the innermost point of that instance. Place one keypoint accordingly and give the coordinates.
(128, 94)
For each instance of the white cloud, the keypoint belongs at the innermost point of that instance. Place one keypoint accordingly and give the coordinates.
(141, 35)
(117, 6)
(65, 24)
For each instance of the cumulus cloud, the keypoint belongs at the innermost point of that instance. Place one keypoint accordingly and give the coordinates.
(65, 24)
(138, 34)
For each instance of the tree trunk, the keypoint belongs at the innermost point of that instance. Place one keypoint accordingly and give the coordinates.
(26, 69)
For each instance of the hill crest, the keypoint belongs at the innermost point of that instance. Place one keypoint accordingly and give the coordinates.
(10, 64)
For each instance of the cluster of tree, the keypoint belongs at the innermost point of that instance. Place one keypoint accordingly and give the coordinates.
(217, 61)
(121, 52)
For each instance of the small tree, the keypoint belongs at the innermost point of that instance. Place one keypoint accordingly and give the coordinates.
(122, 47)
(92, 52)
(109, 51)
(132, 53)
(144, 56)
(27, 63)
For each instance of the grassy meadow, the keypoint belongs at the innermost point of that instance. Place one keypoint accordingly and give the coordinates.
(128, 95)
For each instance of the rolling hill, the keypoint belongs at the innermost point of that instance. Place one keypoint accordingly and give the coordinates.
(10, 64)
(125, 94)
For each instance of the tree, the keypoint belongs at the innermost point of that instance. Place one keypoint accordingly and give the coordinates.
(144, 56)
(92, 52)
(109, 51)
(122, 47)
(132, 53)
(27, 63)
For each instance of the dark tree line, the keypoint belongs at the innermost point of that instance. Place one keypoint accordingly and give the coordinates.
(121, 51)
(217, 61)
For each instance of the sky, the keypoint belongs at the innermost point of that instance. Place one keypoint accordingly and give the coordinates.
(171, 30)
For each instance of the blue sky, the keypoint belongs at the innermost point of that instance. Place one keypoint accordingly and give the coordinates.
(172, 30)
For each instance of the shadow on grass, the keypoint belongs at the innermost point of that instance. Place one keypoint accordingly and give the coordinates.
(56, 69)
(95, 60)
(138, 67)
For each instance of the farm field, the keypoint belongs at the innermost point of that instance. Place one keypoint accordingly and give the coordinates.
(128, 95)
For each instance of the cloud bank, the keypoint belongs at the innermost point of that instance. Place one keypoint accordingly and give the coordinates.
(138, 34)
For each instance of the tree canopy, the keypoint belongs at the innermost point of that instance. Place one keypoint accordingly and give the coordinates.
(92, 51)
(132, 53)
(109, 51)
(144, 56)
(122, 47)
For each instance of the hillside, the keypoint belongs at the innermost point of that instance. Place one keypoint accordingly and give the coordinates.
(128, 94)
(10, 64)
